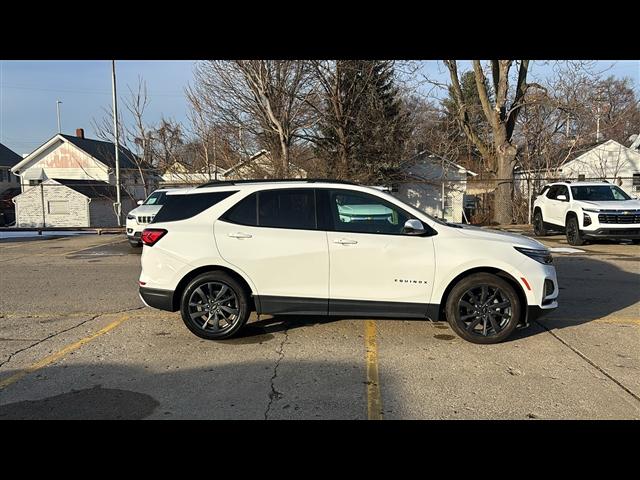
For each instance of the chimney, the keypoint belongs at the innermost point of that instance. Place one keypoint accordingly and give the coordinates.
(80, 132)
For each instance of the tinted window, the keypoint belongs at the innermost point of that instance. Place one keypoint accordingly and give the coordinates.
(362, 213)
(553, 192)
(180, 207)
(287, 208)
(599, 193)
(156, 198)
(244, 212)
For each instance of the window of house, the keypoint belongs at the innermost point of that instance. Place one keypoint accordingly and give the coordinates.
(58, 207)
(34, 182)
(636, 179)
(581, 178)
(361, 213)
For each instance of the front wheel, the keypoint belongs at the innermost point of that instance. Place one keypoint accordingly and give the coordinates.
(538, 225)
(574, 237)
(483, 308)
(214, 306)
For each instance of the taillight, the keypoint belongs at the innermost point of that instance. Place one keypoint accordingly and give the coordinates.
(150, 236)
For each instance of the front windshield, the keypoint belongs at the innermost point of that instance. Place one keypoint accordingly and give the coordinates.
(599, 193)
(156, 198)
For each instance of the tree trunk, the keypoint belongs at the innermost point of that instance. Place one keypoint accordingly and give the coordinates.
(503, 207)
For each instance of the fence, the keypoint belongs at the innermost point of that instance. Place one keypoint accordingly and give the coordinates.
(473, 200)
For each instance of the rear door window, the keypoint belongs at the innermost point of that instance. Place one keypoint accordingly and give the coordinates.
(244, 212)
(287, 208)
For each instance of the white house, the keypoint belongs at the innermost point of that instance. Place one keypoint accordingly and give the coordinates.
(436, 186)
(610, 161)
(259, 166)
(91, 163)
(179, 175)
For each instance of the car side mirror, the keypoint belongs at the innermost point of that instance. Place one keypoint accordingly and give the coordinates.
(562, 198)
(140, 202)
(413, 227)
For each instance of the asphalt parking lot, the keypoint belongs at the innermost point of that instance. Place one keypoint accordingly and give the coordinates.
(76, 342)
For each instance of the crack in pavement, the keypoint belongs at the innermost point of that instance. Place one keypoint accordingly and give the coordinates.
(275, 394)
(11, 355)
(589, 361)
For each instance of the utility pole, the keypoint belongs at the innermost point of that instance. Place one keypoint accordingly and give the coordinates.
(58, 102)
(117, 205)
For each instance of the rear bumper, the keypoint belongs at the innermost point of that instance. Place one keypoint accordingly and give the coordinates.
(626, 233)
(156, 298)
(133, 236)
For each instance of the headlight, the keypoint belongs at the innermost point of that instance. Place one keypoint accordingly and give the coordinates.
(539, 255)
(586, 219)
(592, 210)
(131, 217)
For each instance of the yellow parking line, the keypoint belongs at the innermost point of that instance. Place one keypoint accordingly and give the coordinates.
(54, 357)
(374, 400)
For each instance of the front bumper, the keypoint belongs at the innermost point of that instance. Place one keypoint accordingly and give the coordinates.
(157, 298)
(613, 233)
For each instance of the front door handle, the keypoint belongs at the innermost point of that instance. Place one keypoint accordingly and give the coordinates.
(345, 241)
(240, 235)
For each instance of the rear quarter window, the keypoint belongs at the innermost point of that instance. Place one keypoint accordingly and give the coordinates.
(181, 207)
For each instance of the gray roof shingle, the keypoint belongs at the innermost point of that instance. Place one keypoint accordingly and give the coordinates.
(8, 158)
(89, 188)
(103, 151)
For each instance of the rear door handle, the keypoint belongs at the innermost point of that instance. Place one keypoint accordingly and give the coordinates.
(345, 241)
(240, 235)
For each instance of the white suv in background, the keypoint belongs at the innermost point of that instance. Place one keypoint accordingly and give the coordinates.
(140, 217)
(586, 210)
(224, 249)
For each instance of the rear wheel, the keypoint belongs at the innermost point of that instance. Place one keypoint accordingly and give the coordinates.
(214, 306)
(483, 308)
(538, 225)
(574, 237)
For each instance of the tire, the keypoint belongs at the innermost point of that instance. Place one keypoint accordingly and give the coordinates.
(480, 328)
(220, 323)
(538, 225)
(572, 231)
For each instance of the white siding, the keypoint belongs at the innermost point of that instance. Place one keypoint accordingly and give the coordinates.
(29, 211)
(426, 195)
(65, 160)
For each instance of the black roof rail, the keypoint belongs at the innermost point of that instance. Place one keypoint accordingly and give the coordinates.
(222, 183)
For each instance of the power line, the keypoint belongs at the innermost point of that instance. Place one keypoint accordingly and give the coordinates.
(84, 92)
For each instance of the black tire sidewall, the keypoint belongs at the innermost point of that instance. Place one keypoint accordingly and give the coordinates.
(579, 240)
(453, 316)
(537, 216)
(243, 300)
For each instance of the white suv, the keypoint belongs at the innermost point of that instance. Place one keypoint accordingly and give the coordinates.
(586, 210)
(221, 250)
(140, 217)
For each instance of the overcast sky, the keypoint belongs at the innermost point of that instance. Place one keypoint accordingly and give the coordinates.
(29, 91)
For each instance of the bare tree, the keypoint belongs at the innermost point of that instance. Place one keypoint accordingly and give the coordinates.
(266, 98)
(501, 111)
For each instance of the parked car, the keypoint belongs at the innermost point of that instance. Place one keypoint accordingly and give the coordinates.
(140, 217)
(219, 251)
(587, 211)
